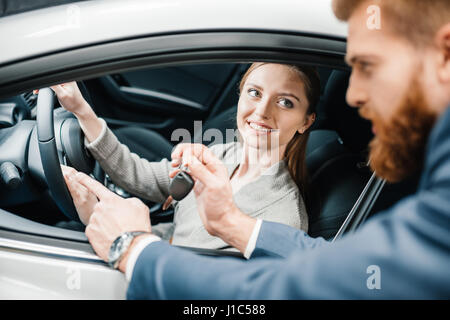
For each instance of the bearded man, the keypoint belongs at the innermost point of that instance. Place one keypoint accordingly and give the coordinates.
(400, 81)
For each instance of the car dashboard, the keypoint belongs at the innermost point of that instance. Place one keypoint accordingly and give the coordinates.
(18, 108)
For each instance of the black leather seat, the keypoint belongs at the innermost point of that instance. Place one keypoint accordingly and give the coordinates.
(223, 121)
(336, 158)
(154, 147)
(146, 143)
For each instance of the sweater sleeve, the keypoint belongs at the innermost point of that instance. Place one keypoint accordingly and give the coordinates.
(148, 180)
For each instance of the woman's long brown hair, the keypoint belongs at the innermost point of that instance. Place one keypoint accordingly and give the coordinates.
(295, 153)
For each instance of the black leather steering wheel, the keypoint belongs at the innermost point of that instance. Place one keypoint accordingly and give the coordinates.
(71, 141)
(67, 147)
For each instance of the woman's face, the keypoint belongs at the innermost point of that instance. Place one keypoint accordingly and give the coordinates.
(272, 107)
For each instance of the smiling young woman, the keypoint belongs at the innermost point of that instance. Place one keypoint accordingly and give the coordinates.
(300, 102)
(266, 169)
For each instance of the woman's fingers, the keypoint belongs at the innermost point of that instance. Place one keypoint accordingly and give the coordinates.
(63, 90)
(178, 151)
(175, 162)
(68, 173)
(68, 170)
(173, 173)
(58, 89)
(77, 190)
(196, 149)
(167, 202)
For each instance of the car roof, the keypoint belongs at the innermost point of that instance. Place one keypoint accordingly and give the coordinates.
(84, 23)
(10, 7)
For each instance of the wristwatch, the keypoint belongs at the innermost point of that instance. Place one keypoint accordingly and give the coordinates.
(120, 246)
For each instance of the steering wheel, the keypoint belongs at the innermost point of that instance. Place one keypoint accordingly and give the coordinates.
(70, 140)
(73, 153)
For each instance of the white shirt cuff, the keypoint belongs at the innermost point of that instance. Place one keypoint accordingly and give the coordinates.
(252, 241)
(135, 252)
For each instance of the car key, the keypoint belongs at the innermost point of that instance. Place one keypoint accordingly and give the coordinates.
(181, 185)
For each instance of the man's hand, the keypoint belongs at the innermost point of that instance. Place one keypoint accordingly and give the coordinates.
(212, 186)
(112, 216)
(214, 195)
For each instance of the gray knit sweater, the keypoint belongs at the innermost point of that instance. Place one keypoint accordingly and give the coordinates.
(273, 196)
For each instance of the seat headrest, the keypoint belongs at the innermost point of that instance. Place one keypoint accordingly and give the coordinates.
(333, 113)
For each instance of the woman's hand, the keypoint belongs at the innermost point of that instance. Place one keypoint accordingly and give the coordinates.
(70, 98)
(214, 195)
(83, 199)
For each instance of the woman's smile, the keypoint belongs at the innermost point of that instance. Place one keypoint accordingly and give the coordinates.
(260, 128)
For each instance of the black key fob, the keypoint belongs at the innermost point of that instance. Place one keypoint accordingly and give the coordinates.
(181, 185)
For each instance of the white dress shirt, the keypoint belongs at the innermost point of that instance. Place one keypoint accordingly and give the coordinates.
(136, 251)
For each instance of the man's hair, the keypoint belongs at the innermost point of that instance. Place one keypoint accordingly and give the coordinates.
(415, 20)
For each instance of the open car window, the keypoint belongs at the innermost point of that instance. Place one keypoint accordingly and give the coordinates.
(151, 103)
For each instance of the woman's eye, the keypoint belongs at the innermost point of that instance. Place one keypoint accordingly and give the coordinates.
(253, 92)
(286, 103)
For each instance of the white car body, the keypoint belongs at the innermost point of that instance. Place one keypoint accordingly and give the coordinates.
(44, 271)
(68, 26)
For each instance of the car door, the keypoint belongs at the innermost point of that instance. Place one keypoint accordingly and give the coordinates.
(60, 260)
(44, 262)
(164, 99)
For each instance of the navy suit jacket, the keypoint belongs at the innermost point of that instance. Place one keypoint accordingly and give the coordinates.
(403, 252)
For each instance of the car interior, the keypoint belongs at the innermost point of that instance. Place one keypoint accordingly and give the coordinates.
(143, 107)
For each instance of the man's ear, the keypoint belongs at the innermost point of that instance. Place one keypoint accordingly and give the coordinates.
(308, 122)
(442, 40)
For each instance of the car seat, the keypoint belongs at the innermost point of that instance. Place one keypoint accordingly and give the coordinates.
(336, 159)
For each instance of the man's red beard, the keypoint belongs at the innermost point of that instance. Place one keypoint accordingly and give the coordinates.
(398, 149)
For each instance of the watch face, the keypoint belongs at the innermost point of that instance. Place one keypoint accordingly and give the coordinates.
(119, 246)
(116, 248)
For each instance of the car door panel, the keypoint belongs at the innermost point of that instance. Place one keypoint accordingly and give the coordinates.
(162, 99)
(25, 275)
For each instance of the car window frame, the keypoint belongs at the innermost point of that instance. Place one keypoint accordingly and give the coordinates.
(238, 46)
